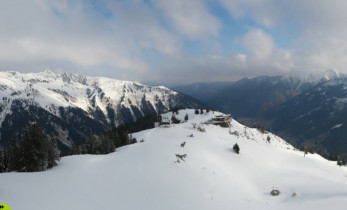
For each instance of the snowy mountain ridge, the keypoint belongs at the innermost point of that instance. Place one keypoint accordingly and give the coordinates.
(211, 175)
(50, 90)
(63, 100)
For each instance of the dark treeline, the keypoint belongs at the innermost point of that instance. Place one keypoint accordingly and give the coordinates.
(117, 137)
(35, 151)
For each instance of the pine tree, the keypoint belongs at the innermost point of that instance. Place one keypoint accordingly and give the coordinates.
(159, 118)
(14, 156)
(92, 145)
(236, 148)
(53, 154)
(341, 160)
(174, 119)
(2, 159)
(107, 145)
(186, 117)
(38, 152)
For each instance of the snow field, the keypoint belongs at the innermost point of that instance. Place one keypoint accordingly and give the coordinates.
(147, 176)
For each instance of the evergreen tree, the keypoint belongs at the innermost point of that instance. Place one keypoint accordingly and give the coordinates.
(38, 152)
(2, 159)
(53, 154)
(186, 117)
(91, 145)
(236, 148)
(107, 145)
(196, 111)
(341, 160)
(14, 156)
(159, 118)
(174, 119)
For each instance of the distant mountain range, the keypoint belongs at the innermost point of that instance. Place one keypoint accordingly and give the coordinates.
(316, 117)
(310, 112)
(203, 91)
(71, 107)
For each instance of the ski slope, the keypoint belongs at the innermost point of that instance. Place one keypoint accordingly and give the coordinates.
(147, 176)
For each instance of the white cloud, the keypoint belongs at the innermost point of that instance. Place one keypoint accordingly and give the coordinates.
(263, 12)
(320, 28)
(258, 44)
(190, 18)
(75, 32)
(146, 40)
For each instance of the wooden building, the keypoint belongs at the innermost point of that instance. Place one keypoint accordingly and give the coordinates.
(221, 118)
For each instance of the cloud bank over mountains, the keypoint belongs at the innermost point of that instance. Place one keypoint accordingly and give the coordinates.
(174, 41)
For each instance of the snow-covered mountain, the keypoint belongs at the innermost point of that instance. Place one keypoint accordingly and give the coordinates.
(252, 97)
(317, 117)
(71, 106)
(331, 74)
(147, 175)
(309, 111)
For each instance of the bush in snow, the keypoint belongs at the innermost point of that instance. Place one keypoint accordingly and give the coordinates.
(180, 157)
(341, 160)
(236, 148)
(234, 133)
(133, 141)
(224, 125)
(201, 129)
(196, 111)
(261, 129)
(175, 120)
(275, 192)
(183, 144)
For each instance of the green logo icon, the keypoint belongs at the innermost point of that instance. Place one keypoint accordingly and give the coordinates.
(4, 207)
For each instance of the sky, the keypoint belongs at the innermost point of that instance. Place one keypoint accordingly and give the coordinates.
(176, 41)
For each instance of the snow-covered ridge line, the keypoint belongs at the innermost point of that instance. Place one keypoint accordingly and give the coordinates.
(62, 100)
(64, 89)
(50, 76)
(235, 130)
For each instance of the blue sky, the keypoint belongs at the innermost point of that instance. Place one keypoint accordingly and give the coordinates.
(174, 42)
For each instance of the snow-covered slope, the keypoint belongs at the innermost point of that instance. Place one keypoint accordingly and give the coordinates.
(146, 175)
(107, 102)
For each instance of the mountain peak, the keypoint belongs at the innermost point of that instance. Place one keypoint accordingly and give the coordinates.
(330, 74)
(48, 71)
